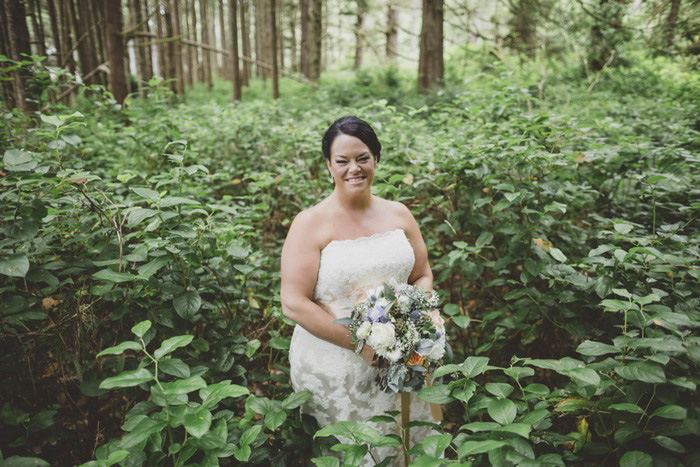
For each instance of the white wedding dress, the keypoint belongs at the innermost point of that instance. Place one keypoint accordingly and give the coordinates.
(342, 384)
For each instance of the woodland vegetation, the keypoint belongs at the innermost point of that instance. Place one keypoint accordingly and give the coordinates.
(155, 152)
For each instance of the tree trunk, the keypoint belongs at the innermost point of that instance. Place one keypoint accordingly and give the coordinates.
(273, 54)
(523, 24)
(55, 31)
(206, 39)
(161, 47)
(305, 31)
(245, 39)
(671, 22)
(359, 20)
(280, 32)
(142, 63)
(19, 47)
(197, 70)
(391, 32)
(8, 91)
(174, 52)
(189, 75)
(38, 26)
(66, 39)
(431, 68)
(115, 48)
(100, 37)
(315, 39)
(225, 62)
(178, 57)
(293, 40)
(235, 71)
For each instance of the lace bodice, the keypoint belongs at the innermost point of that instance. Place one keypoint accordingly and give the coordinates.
(349, 267)
(342, 384)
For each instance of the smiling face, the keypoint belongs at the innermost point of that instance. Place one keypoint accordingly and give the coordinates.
(351, 164)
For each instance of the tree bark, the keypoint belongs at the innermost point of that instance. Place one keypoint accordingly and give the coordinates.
(161, 47)
(245, 39)
(55, 31)
(315, 39)
(293, 40)
(671, 22)
(197, 70)
(359, 20)
(189, 75)
(225, 69)
(38, 26)
(177, 27)
(67, 40)
(142, 59)
(279, 24)
(20, 49)
(115, 47)
(100, 36)
(8, 91)
(273, 54)
(235, 71)
(305, 32)
(431, 67)
(391, 32)
(206, 38)
(523, 24)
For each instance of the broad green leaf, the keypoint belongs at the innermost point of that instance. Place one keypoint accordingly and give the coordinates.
(536, 388)
(120, 348)
(435, 445)
(146, 193)
(21, 461)
(141, 328)
(174, 367)
(274, 419)
(474, 366)
(674, 412)
(249, 435)
(636, 459)
(501, 390)
(150, 268)
(627, 407)
(439, 394)
(251, 347)
(642, 371)
(15, 265)
(242, 454)
(518, 372)
(521, 429)
(296, 399)
(534, 417)
(187, 304)
(325, 461)
(669, 443)
(127, 379)
(175, 201)
(353, 454)
(615, 305)
(171, 344)
(484, 239)
(585, 376)
(51, 120)
(145, 428)
(480, 426)
(595, 349)
(623, 228)
(502, 410)
(113, 276)
(279, 343)
(138, 215)
(469, 448)
(198, 422)
(557, 254)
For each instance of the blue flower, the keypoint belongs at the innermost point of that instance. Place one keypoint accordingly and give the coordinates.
(376, 313)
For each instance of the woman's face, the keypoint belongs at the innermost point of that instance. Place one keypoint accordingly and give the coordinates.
(351, 164)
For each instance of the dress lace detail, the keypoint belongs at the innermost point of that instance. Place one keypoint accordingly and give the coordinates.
(341, 382)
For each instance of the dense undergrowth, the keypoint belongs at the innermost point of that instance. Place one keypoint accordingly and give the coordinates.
(561, 217)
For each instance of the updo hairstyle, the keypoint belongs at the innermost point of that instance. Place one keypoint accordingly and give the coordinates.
(352, 126)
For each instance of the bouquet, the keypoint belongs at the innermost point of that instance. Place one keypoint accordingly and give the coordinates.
(404, 327)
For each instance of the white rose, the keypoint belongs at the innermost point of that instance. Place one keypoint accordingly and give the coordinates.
(438, 350)
(383, 302)
(363, 331)
(382, 337)
(394, 355)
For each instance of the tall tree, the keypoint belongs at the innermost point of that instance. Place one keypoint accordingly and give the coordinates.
(206, 39)
(225, 66)
(55, 31)
(361, 6)
(66, 38)
(178, 56)
(523, 26)
(431, 68)
(305, 33)
(606, 33)
(144, 68)
(115, 47)
(171, 57)
(245, 40)
(391, 31)
(315, 38)
(19, 47)
(99, 35)
(197, 69)
(37, 25)
(280, 32)
(161, 44)
(273, 51)
(235, 72)
(671, 21)
(292, 37)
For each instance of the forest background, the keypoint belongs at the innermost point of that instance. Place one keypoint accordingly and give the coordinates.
(155, 151)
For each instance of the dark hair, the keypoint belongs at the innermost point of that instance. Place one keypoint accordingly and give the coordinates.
(352, 126)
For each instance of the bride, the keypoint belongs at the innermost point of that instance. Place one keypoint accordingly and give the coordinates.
(336, 250)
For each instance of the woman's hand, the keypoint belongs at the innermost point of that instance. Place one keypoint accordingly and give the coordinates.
(367, 354)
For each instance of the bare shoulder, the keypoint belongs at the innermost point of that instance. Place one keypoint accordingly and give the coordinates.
(309, 225)
(400, 211)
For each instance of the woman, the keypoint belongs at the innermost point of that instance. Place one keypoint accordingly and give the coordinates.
(334, 251)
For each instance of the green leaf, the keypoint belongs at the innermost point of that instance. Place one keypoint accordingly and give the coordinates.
(138, 215)
(15, 265)
(251, 347)
(674, 412)
(146, 193)
(250, 435)
(140, 433)
(534, 417)
(627, 407)
(615, 305)
(484, 239)
(439, 394)
(325, 461)
(127, 379)
(521, 429)
(595, 349)
(279, 343)
(623, 228)
(480, 426)
(636, 459)
(141, 328)
(113, 276)
(519, 372)
(296, 399)
(120, 348)
(198, 422)
(642, 371)
(51, 120)
(174, 367)
(354, 454)
(537, 388)
(242, 454)
(117, 456)
(187, 304)
(585, 376)
(171, 344)
(446, 370)
(474, 366)
(557, 254)
(470, 448)
(153, 266)
(175, 201)
(274, 419)
(669, 443)
(501, 390)
(21, 461)
(502, 410)
(435, 445)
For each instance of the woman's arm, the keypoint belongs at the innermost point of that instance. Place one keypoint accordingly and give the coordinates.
(300, 262)
(421, 275)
